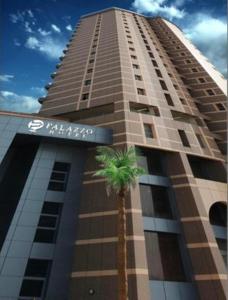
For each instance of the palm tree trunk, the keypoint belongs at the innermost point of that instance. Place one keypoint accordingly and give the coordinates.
(122, 248)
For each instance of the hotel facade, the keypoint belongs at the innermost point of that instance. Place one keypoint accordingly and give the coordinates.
(124, 79)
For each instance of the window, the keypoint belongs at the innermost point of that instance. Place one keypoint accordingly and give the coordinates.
(154, 63)
(183, 138)
(200, 140)
(148, 130)
(133, 57)
(153, 161)
(169, 99)
(145, 41)
(130, 42)
(194, 70)
(59, 177)
(176, 87)
(31, 288)
(35, 278)
(164, 257)
(220, 106)
(148, 48)
(201, 80)
(91, 61)
(155, 201)
(51, 208)
(207, 169)
(218, 214)
(182, 54)
(163, 85)
(37, 268)
(188, 61)
(135, 66)
(88, 82)
(132, 49)
(182, 101)
(144, 109)
(138, 77)
(48, 223)
(151, 54)
(44, 236)
(141, 91)
(128, 36)
(89, 70)
(210, 92)
(158, 72)
(93, 53)
(85, 96)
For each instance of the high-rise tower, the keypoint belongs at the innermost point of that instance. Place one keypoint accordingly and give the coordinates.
(143, 79)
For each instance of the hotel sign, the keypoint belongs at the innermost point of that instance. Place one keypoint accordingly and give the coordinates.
(60, 129)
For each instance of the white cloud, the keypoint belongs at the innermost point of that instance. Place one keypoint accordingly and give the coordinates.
(18, 16)
(28, 27)
(69, 27)
(44, 32)
(209, 36)
(48, 46)
(16, 43)
(30, 13)
(159, 7)
(40, 91)
(13, 102)
(55, 28)
(32, 43)
(6, 78)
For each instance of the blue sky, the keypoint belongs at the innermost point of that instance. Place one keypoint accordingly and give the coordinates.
(34, 33)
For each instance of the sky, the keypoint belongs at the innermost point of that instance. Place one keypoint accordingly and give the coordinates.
(34, 33)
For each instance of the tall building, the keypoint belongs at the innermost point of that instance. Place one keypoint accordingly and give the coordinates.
(124, 79)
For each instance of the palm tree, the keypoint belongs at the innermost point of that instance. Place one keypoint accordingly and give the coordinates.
(119, 169)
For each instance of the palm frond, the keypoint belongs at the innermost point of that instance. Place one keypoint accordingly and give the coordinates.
(118, 167)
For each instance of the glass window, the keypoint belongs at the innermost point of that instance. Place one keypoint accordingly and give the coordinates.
(85, 96)
(56, 186)
(135, 66)
(47, 221)
(158, 72)
(163, 85)
(155, 201)
(148, 129)
(59, 176)
(31, 288)
(154, 63)
(44, 236)
(88, 82)
(163, 257)
(184, 138)
(138, 77)
(52, 208)
(169, 99)
(218, 214)
(220, 106)
(210, 92)
(37, 267)
(153, 161)
(141, 91)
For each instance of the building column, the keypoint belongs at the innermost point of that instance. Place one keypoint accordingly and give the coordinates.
(208, 267)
